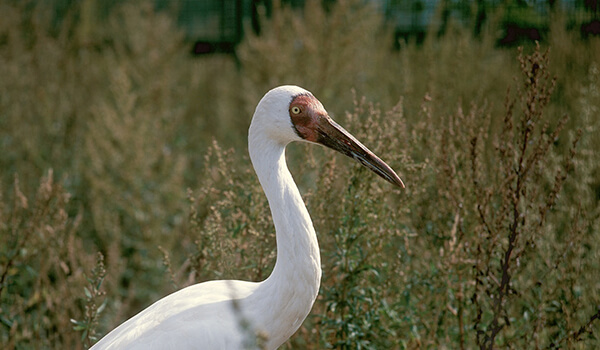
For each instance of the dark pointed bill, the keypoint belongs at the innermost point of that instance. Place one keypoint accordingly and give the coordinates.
(332, 135)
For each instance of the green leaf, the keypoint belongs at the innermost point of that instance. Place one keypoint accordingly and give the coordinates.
(102, 306)
(79, 325)
(88, 294)
(99, 283)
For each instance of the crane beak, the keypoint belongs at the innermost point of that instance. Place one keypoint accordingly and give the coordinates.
(332, 135)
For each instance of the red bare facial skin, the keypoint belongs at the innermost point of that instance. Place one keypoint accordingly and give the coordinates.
(312, 123)
(305, 112)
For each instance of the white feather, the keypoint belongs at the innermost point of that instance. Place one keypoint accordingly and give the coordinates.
(230, 314)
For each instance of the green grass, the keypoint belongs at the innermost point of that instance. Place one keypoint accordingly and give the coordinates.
(115, 141)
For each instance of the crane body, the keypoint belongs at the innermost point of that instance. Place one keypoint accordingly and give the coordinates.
(231, 314)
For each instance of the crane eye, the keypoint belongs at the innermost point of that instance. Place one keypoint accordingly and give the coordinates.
(296, 110)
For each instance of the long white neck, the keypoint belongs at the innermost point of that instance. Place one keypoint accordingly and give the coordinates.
(289, 293)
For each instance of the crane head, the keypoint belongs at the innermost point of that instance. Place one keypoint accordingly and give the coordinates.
(311, 123)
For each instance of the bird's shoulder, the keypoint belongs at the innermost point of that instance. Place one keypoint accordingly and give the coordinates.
(200, 311)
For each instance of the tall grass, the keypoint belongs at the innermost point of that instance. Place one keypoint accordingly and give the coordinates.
(43, 266)
(114, 140)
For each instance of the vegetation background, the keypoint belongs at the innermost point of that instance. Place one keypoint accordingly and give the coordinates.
(125, 176)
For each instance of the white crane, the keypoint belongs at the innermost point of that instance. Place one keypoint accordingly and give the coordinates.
(239, 314)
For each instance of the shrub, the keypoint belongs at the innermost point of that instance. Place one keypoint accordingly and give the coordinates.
(42, 270)
(492, 244)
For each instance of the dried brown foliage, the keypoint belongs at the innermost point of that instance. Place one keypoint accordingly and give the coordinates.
(493, 244)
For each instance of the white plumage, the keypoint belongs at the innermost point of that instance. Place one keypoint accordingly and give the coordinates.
(249, 315)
